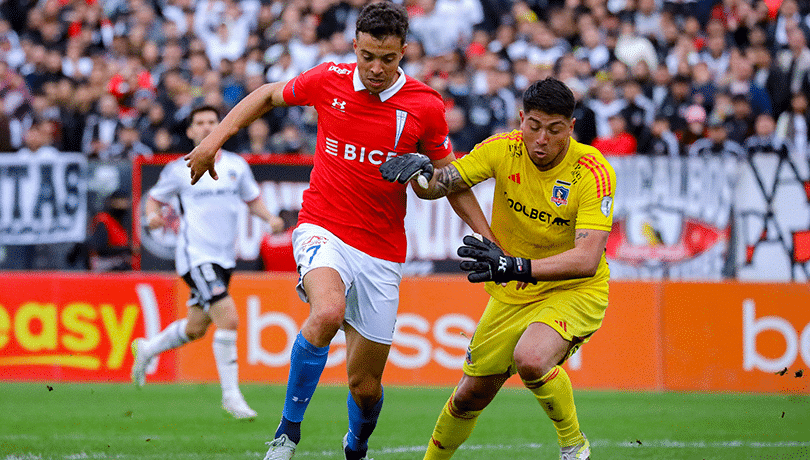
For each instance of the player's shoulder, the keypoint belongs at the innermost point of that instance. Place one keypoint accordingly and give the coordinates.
(234, 160)
(595, 168)
(502, 141)
(588, 155)
(176, 166)
(335, 70)
(427, 95)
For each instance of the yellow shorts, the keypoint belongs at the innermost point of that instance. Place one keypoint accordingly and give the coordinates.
(575, 314)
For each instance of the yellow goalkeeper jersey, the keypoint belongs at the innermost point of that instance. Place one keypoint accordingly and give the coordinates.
(535, 214)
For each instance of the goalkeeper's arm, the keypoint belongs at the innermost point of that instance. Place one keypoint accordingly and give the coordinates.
(442, 177)
(489, 263)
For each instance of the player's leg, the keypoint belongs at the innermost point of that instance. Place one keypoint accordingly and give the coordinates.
(175, 335)
(538, 356)
(460, 414)
(563, 322)
(224, 315)
(365, 362)
(371, 313)
(325, 292)
(487, 366)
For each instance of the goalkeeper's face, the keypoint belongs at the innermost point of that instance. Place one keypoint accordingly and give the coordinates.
(546, 137)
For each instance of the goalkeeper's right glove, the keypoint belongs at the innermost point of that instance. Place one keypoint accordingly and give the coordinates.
(404, 168)
(491, 264)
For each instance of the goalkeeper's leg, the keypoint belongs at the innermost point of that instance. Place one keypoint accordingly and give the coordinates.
(460, 413)
(538, 356)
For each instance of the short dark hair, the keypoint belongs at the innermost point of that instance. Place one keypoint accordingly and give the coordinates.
(383, 19)
(203, 108)
(550, 96)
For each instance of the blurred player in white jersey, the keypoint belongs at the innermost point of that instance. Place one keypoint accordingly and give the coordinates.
(205, 256)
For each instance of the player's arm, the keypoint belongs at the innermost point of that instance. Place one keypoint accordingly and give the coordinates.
(581, 261)
(258, 208)
(489, 263)
(442, 179)
(257, 103)
(446, 181)
(154, 213)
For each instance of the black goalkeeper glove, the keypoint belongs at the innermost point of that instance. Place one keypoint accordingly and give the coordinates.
(405, 167)
(491, 264)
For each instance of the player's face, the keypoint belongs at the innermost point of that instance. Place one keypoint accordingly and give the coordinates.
(201, 125)
(546, 137)
(378, 60)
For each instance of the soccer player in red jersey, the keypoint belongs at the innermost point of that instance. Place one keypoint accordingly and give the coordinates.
(350, 240)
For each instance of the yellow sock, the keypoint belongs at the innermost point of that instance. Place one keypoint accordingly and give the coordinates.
(556, 396)
(452, 428)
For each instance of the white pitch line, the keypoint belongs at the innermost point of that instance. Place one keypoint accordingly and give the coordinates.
(599, 443)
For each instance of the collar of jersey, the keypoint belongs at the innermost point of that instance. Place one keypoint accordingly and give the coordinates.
(385, 95)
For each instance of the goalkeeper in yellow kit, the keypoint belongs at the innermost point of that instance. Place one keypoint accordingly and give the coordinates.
(548, 281)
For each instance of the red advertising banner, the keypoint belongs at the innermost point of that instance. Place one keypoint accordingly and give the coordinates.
(72, 327)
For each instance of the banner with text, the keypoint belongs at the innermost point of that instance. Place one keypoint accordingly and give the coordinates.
(43, 199)
(70, 327)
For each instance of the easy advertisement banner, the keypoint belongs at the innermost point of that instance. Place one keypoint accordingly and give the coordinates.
(71, 327)
(43, 199)
(683, 336)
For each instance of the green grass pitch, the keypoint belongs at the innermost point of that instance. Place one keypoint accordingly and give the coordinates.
(184, 422)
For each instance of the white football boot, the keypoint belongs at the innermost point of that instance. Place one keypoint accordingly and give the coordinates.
(281, 448)
(237, 407)
(139, 363)
(581, 451)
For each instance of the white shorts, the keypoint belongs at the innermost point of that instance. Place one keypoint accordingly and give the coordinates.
(372, 284)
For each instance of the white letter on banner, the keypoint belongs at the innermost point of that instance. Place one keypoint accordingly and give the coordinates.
(444, 337)
(752, 327)
(258, 322)
(422, 357)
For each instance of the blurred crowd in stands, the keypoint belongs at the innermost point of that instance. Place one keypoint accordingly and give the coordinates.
(116, 79)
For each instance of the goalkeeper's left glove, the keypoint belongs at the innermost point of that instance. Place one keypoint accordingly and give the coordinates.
(491, 264)
(405, 167)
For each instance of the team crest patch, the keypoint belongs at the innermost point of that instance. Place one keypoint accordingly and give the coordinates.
(559, 193)
(232, 174)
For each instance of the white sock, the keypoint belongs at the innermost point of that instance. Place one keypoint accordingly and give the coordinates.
(172, 337)
(225, 356)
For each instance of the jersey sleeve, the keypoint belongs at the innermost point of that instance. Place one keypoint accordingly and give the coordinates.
(597, 191)
(248, 187)
(169, 183)
(436, 141)
(301, 89)
(478, 165)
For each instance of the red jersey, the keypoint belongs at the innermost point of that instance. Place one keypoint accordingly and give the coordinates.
(357, 132)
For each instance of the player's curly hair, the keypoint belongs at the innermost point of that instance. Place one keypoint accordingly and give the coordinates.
(383, 19)
(550, 96)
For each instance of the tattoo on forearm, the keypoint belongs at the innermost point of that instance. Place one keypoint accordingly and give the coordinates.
(448, 180)
(582, 235)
